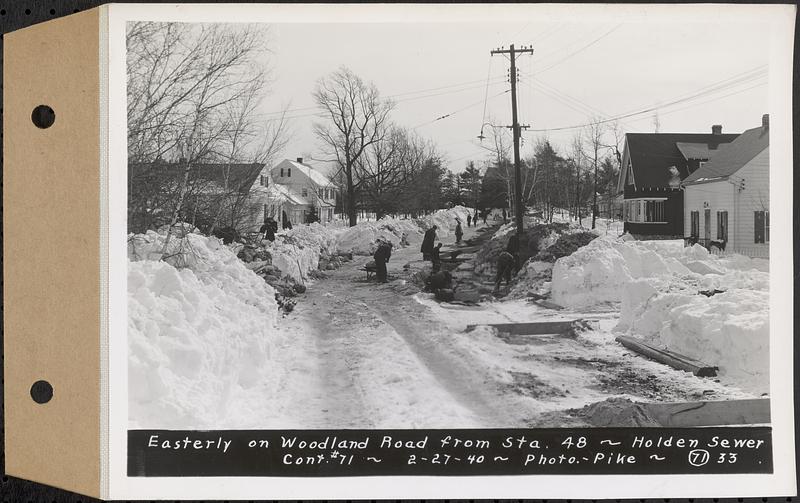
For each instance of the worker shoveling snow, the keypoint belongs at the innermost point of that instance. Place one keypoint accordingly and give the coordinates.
(200, 335)
(713, 309)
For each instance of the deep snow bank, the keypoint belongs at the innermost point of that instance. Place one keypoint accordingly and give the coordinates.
(445, 220)
(361, 239)
(199, 336)
(657, 284)
(297, 251)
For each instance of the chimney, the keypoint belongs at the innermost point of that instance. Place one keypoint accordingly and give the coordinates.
(716, 129)
(299, 160)
(765, 121)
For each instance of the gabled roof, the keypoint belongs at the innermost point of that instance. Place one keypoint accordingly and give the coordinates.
(239, 176)
(314, 175)
(282, 193)
(652, 154)
(732, 158)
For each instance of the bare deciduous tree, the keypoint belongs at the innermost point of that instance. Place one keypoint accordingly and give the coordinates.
(192, 93)
(357, 118)
(593, 144)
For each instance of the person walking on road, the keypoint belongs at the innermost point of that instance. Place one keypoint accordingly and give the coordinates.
(427, 243)
(459, 231)
(475, 218)
(381, 257)
(469, 220)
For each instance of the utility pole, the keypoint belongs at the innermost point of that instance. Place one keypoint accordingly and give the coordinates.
(519, 210)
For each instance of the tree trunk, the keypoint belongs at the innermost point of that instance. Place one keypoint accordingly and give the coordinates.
(351, 200)
(594, 194)
(177, 211)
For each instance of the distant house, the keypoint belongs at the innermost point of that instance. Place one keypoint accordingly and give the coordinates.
(727, 200)
(649, 185)
(291, 190)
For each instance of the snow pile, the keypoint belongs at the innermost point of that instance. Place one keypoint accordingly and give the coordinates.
(199, 336)
(361, 239)
(296, 252)
(708, 308)
(617, 411)
(729, 329)
(445, 220)
(597, 273)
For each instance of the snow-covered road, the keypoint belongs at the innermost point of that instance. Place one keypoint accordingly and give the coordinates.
(366, 355)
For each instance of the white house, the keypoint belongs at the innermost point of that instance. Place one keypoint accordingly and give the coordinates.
(727, 199)
(291, 190)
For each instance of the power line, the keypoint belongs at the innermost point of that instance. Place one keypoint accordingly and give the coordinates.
(708, 101)
(604, 35)
(542, 58)
(708, 90)
(495, 80)
(457, 111)
(724, 84)
(486, 95)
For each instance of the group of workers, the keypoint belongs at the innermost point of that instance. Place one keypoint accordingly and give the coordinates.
(506, 261)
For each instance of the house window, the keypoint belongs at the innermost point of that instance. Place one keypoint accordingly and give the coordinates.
(281, 172)
(264, 181)
(321, 193)
(645, 211)
(722, 225)
(289, 172)
(761, 223)
(304, 192)
(695, 219)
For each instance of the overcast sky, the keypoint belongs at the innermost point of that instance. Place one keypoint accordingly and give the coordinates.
(578, 69)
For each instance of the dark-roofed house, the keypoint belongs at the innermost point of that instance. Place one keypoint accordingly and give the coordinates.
(215, 191)
(726, 201)
(654, 164)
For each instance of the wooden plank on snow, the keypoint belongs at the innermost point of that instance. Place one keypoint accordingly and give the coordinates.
(713, 413)
(532, 328)
(674, 360)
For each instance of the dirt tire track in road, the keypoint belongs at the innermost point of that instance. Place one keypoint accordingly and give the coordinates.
(340, 399)
(455, 375)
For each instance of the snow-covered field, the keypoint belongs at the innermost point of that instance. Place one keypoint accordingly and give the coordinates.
(656, 285)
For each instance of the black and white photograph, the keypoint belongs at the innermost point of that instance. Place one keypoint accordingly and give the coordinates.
(521, 223)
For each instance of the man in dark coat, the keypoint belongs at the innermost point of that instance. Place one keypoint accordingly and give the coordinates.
(505, 266)
(427, 243)
(459, 231)
(475, 218)
(485, 215)
(268, 229)
(381, 257)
